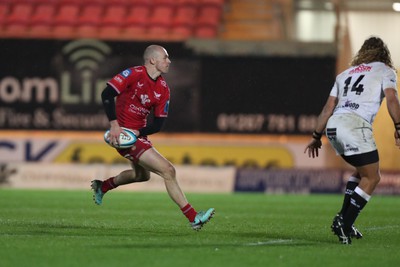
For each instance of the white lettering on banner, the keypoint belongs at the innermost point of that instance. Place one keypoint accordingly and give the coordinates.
(64, 120)
(307, 123)
(41, 119)
(278, 123)
(9, 117)
(14, 119)
(11, 90)
(85, 94)
(240, 122)
(66, 93)
(38, 90)
(281, 123)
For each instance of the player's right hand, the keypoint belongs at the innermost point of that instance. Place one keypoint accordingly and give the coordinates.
(313, 147)
(397, 137)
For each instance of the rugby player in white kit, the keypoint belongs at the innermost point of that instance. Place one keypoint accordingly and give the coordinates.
(348, 116)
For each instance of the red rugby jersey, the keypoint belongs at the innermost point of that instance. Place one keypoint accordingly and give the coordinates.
(138, 94)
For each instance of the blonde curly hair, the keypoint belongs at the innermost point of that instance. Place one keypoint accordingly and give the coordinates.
(373, 50)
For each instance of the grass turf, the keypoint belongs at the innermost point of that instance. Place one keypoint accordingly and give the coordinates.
(64, 228)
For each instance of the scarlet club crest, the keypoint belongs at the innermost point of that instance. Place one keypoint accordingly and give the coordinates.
(144, 99)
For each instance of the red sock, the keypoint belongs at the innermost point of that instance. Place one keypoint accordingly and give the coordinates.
(189, 212)
(108, 185)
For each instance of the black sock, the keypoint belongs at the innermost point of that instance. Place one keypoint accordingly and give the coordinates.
(350, 186)
(357, 202)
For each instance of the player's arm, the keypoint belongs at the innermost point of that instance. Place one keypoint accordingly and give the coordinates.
(108, 98)
(393, 106)
(154, 127)
(327, 111)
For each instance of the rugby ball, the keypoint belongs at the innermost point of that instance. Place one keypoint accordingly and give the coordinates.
(125, 141)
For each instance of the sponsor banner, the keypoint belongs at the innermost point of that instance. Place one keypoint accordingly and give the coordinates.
(307, 181)
(78, 176)
(388, 185)
(57, 85)
(31, 149)
(289, 181)
(191, 178)
(190, 149)
(273, 95)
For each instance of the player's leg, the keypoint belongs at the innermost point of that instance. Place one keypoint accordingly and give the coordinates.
(134, 175)
(370, 177)
(351, 184)
(346, 132)
(156, 163)
(153, 161)
(343, 225)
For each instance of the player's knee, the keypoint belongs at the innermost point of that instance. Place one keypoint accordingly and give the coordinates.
(169, 172)
(377, 178)
(145, 176)
(374, 179)
(142, 175)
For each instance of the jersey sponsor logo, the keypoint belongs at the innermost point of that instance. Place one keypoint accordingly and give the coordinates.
(351, 105)
(140, 85)
(126, 73)
(157, 96)
(144, 99)
(350, 148)
(139, 110)
(361, 68)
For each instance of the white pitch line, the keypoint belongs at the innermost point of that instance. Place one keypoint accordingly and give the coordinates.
(271, 242)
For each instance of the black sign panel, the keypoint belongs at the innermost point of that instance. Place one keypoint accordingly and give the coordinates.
(271, 95)
(56, 85)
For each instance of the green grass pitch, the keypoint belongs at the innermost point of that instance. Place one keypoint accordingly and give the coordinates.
(65, 228)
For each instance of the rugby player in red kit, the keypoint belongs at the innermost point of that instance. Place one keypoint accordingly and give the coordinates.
(128, 99)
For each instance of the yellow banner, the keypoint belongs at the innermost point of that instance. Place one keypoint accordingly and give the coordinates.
(202, 155)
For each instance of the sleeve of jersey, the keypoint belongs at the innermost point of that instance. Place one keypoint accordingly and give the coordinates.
(389, 79)
(161, 110)
(335, 91)
(121, 81)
